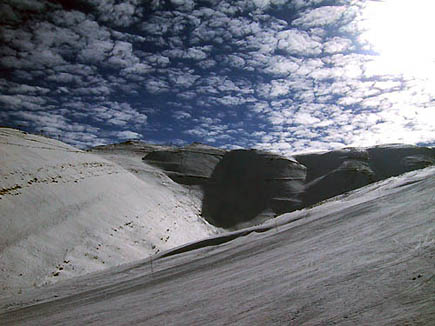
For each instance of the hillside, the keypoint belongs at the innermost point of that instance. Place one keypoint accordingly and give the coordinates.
(364, 258)
(121, 234)
(65, 212)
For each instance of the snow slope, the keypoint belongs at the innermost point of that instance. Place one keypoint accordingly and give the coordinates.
(65, 212)
(363, 258)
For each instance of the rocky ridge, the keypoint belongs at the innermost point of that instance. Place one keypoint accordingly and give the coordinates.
(241, 188)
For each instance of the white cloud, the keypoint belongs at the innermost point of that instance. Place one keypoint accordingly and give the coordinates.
(127, 134)
(305, 118)
(68, 18)
(91, 30)
(184, 79)
(156, 86)
(10, 101)
(241, 27)
(197, 131)
(120, 114)
(122, 56)
(155, 60)
(191, 53)
(27, 89)
(295, 42)
(276, 88)
(186, 95)
(96, 52)
(185, 5)
(282, 66)
(235, 61)
(321, 16)
(65, 78)
(48, 35)
(337, 45)
(136, 71)
(30, 5)
(179, 115)
(19, 103)
(121, 14)
(230, 100)
(286, 84)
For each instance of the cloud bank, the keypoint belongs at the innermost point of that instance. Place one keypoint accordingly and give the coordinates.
(271, 74)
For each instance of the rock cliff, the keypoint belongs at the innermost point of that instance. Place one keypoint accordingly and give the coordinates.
(190, 165)
(336, 172)
(245, 187)
(250, 185)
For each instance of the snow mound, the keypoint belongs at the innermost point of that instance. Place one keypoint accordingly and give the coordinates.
(65, 212)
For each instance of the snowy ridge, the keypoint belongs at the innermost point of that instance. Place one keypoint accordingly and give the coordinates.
(65, 212)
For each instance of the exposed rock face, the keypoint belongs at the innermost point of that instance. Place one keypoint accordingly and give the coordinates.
(250, 184)
(244, 187)
(393, 160)
(190, 165)
(336, 172)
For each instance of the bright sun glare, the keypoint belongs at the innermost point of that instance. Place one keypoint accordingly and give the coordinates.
(401, 32)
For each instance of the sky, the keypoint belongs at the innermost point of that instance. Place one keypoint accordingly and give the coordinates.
(287, 76)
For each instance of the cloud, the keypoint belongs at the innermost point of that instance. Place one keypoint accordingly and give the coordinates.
(96, 52)
(179, 115)
(296, 42)
(122, 14)
(19, 102)
(194, 53)
(137, 71)
(122, 56)
(281, 66)
(184, 5)
(127, 134)
(26, 89)
(155, 85)
(183, 79)
(337, 45)
(321, 16)
(275, 89)
(118, 114)
(280, 75)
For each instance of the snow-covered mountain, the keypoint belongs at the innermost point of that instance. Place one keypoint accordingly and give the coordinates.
(65, 212)
(87, 221)
(363, 258)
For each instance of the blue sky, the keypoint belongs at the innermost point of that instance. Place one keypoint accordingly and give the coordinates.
(285, 76)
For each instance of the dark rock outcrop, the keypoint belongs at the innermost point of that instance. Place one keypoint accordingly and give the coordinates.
(392, 160)
(190, 165)
(333, 173)
(336, 172)
(252, 185)
(245, 187)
